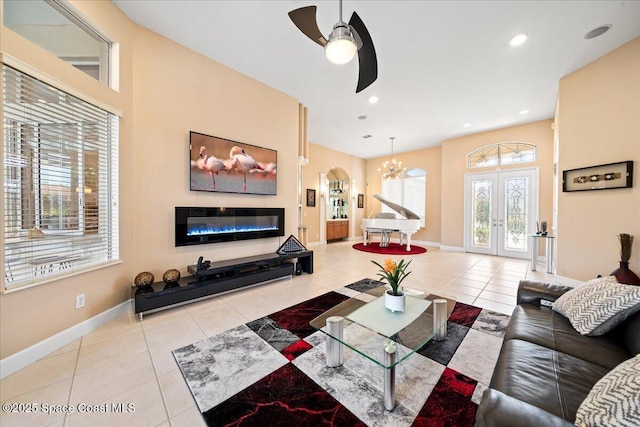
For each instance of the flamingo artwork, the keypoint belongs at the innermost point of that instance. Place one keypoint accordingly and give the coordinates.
(242, 162)
(212, 164)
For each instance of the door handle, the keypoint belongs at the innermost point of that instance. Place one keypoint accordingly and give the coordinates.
(494, 222)
(500, 223)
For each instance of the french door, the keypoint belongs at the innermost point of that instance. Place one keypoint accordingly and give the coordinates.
(500, 212)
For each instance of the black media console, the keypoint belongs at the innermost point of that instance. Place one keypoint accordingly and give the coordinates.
(220, 277)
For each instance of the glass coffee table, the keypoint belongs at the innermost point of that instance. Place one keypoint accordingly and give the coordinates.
(363, 324)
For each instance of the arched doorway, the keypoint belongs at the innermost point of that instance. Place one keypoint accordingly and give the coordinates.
(336, 210)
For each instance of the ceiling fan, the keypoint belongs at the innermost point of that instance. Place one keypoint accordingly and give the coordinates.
(344, 40)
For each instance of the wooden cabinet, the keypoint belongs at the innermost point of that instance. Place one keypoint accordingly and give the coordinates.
(337, 229)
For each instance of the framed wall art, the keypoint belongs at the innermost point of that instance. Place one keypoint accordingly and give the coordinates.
(311, 198)
(360, 201)
(226, 166)
(601, 177)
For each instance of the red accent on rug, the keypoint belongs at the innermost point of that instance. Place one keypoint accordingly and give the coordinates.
(464, 314)
(296, 349)
(286, 397)
(296, 318)
(449, 404)
(392, 249)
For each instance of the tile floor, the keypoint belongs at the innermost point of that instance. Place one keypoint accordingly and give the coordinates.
(130, 362)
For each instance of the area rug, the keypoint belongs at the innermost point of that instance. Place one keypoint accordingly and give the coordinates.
(392, 249)
(272, 371)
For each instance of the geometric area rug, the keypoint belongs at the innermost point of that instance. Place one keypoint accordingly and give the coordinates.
(272, 372)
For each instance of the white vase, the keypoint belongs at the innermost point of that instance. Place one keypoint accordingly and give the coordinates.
(394, 302)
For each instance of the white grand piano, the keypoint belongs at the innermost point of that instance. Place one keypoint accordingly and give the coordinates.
(385, 224)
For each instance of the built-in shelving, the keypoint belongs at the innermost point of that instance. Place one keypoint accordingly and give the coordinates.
(338, 203)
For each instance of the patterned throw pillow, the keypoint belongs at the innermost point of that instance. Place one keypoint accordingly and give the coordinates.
(599, 305)
(614, 400)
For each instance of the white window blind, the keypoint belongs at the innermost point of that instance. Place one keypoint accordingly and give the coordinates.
(60, 169)
(408, 191)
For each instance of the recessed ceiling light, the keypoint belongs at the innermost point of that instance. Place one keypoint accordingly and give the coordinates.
(523, 112)
(362, 117)
(518, 40)
(597, 31)
(467, 125)
(373, 99)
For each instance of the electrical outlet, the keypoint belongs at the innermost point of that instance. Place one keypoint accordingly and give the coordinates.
(79, 301)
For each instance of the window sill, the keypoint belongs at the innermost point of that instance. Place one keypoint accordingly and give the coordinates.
(17, 288)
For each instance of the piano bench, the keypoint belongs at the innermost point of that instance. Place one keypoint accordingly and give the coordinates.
(385, 236)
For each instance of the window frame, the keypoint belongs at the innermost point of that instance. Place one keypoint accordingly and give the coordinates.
(102, 254)
(97, 66)
(500, 154)
(404, 179)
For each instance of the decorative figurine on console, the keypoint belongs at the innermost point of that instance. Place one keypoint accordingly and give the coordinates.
(542, 228)
(170, 278)
(291, 245)
(203, 265)
(143, 281)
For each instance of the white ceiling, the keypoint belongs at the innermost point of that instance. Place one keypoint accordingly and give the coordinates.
(441, 63)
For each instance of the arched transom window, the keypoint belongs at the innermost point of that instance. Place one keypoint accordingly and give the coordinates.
(503, 153)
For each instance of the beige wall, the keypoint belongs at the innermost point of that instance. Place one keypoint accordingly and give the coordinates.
(31, 315)
(429, 160)
(454, 168)
(599, 123)
(322, 160)
(212, 99)
(165, 91)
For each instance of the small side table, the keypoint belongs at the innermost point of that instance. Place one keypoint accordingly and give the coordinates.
(534, 251)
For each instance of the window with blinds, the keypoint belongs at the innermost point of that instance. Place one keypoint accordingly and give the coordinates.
(60, 169)
(409, 191)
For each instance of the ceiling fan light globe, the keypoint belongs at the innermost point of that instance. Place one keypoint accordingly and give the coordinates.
(341, 47)
(340, 51)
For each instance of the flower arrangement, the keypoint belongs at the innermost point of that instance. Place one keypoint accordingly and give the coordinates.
(393, 273)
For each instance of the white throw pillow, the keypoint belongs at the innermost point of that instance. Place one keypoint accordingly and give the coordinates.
(614, 400)
(599, 305)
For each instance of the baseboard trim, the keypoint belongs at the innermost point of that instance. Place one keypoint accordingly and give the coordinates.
(425, 243)
(23, 358)
(452, 248)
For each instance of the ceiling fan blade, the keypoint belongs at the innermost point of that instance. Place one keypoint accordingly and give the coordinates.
(305, 20)
(367, 59)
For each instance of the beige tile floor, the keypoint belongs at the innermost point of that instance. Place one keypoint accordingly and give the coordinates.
(130, 362)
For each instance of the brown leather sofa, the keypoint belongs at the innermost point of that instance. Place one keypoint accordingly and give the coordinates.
(546, 368)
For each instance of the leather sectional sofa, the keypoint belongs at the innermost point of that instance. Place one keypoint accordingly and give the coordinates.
(546, 368)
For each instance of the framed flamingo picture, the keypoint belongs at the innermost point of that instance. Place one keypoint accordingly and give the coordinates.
(227, 166)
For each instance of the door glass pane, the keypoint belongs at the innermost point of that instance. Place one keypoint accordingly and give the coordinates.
(481, 215)
(515, 219)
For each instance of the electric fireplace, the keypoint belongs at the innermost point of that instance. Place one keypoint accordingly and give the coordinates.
(197, 226)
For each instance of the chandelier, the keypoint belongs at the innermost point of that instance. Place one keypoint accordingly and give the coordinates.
(391, 168)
